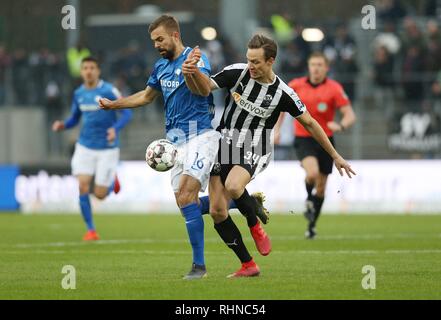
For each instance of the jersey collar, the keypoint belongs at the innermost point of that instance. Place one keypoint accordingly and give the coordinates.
(317, 84)
(98, 85)
(183, 54)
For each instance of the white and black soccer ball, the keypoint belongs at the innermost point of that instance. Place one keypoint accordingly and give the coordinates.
(161, 155)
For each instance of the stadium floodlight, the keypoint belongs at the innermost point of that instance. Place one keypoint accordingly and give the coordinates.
(209, 33)
(312, 35)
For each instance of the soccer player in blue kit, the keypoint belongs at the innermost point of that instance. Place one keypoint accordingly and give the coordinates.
(97, 150)
(188, 126)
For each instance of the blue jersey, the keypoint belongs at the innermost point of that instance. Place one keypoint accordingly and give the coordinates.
(96, 121)
(186, 114)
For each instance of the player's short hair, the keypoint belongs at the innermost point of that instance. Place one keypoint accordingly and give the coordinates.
(91, 59)
(169, 22)
(268, 45)
(319, 54)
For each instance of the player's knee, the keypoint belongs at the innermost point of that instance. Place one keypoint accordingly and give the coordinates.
(185, 197)
(100, 195)
(84, 188)
(234, 189)
(218, 214)
(320, 190)
(312, 176)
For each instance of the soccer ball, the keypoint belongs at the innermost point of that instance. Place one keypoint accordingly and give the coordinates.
(161, 155)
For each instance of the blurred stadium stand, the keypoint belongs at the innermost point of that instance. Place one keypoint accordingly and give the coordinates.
(392, 74)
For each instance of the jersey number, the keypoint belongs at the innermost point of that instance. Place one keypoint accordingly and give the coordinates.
(198, 163)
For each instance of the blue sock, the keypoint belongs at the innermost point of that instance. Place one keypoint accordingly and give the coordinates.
(195, 229)
(110, 190)
(86, 211)
(205, 205)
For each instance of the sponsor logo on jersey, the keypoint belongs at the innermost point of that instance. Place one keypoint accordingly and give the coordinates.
(201, 63)
(267, 101)
(89, 107)
(249, 106)
(297, 101)
(167, 84)
(322, 107)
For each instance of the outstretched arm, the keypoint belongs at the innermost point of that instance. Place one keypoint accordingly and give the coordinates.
(70, 122)
(138, 99)
(320, 136)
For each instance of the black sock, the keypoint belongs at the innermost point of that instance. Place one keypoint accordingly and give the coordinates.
(229, 232)
(248, 207)
(309, 188)
(318, 203)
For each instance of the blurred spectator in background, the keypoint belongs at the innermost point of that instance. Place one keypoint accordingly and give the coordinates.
(74, 56)
(383, 68)
(433, 56)
(45, 66)
(121, 84)
(411, 76)
(391, 10)
(387, 47)
(215, 53)
(20, 76)
(411, 35)
(230, 53)
(413, 63)
(303, 46)
(130, 64)
(283, 30)
(436, 87)
(433, 8)
(384, 83)
(38, 72)
(340, 50)
(4, 64)
(293, 60)
(54, 110)
(388, 38)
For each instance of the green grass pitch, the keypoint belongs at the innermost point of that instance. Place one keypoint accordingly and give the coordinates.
(145, 256)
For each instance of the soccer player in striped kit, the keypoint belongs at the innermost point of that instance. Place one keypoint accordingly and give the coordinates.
(256, 97)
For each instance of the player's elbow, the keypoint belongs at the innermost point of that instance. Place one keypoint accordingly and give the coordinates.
(205, 92)
(146, 100)
(354, 118)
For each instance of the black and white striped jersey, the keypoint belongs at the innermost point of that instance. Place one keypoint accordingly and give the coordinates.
(252, 108)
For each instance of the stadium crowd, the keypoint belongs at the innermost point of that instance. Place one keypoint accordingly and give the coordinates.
(405, 63)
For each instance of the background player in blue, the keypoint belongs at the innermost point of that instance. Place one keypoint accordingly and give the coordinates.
(97, 150)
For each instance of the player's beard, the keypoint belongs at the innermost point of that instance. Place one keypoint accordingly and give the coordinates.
(170, 53)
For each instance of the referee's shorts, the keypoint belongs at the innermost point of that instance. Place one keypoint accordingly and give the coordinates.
(309, 147)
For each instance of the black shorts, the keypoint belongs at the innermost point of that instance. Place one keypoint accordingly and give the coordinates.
(251, 162)
(309, 147)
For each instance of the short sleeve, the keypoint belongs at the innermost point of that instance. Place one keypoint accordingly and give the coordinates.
(291, 103)
(341, 98)
(114, 93)
(204, 65)
(228, 77)
(153, 81)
